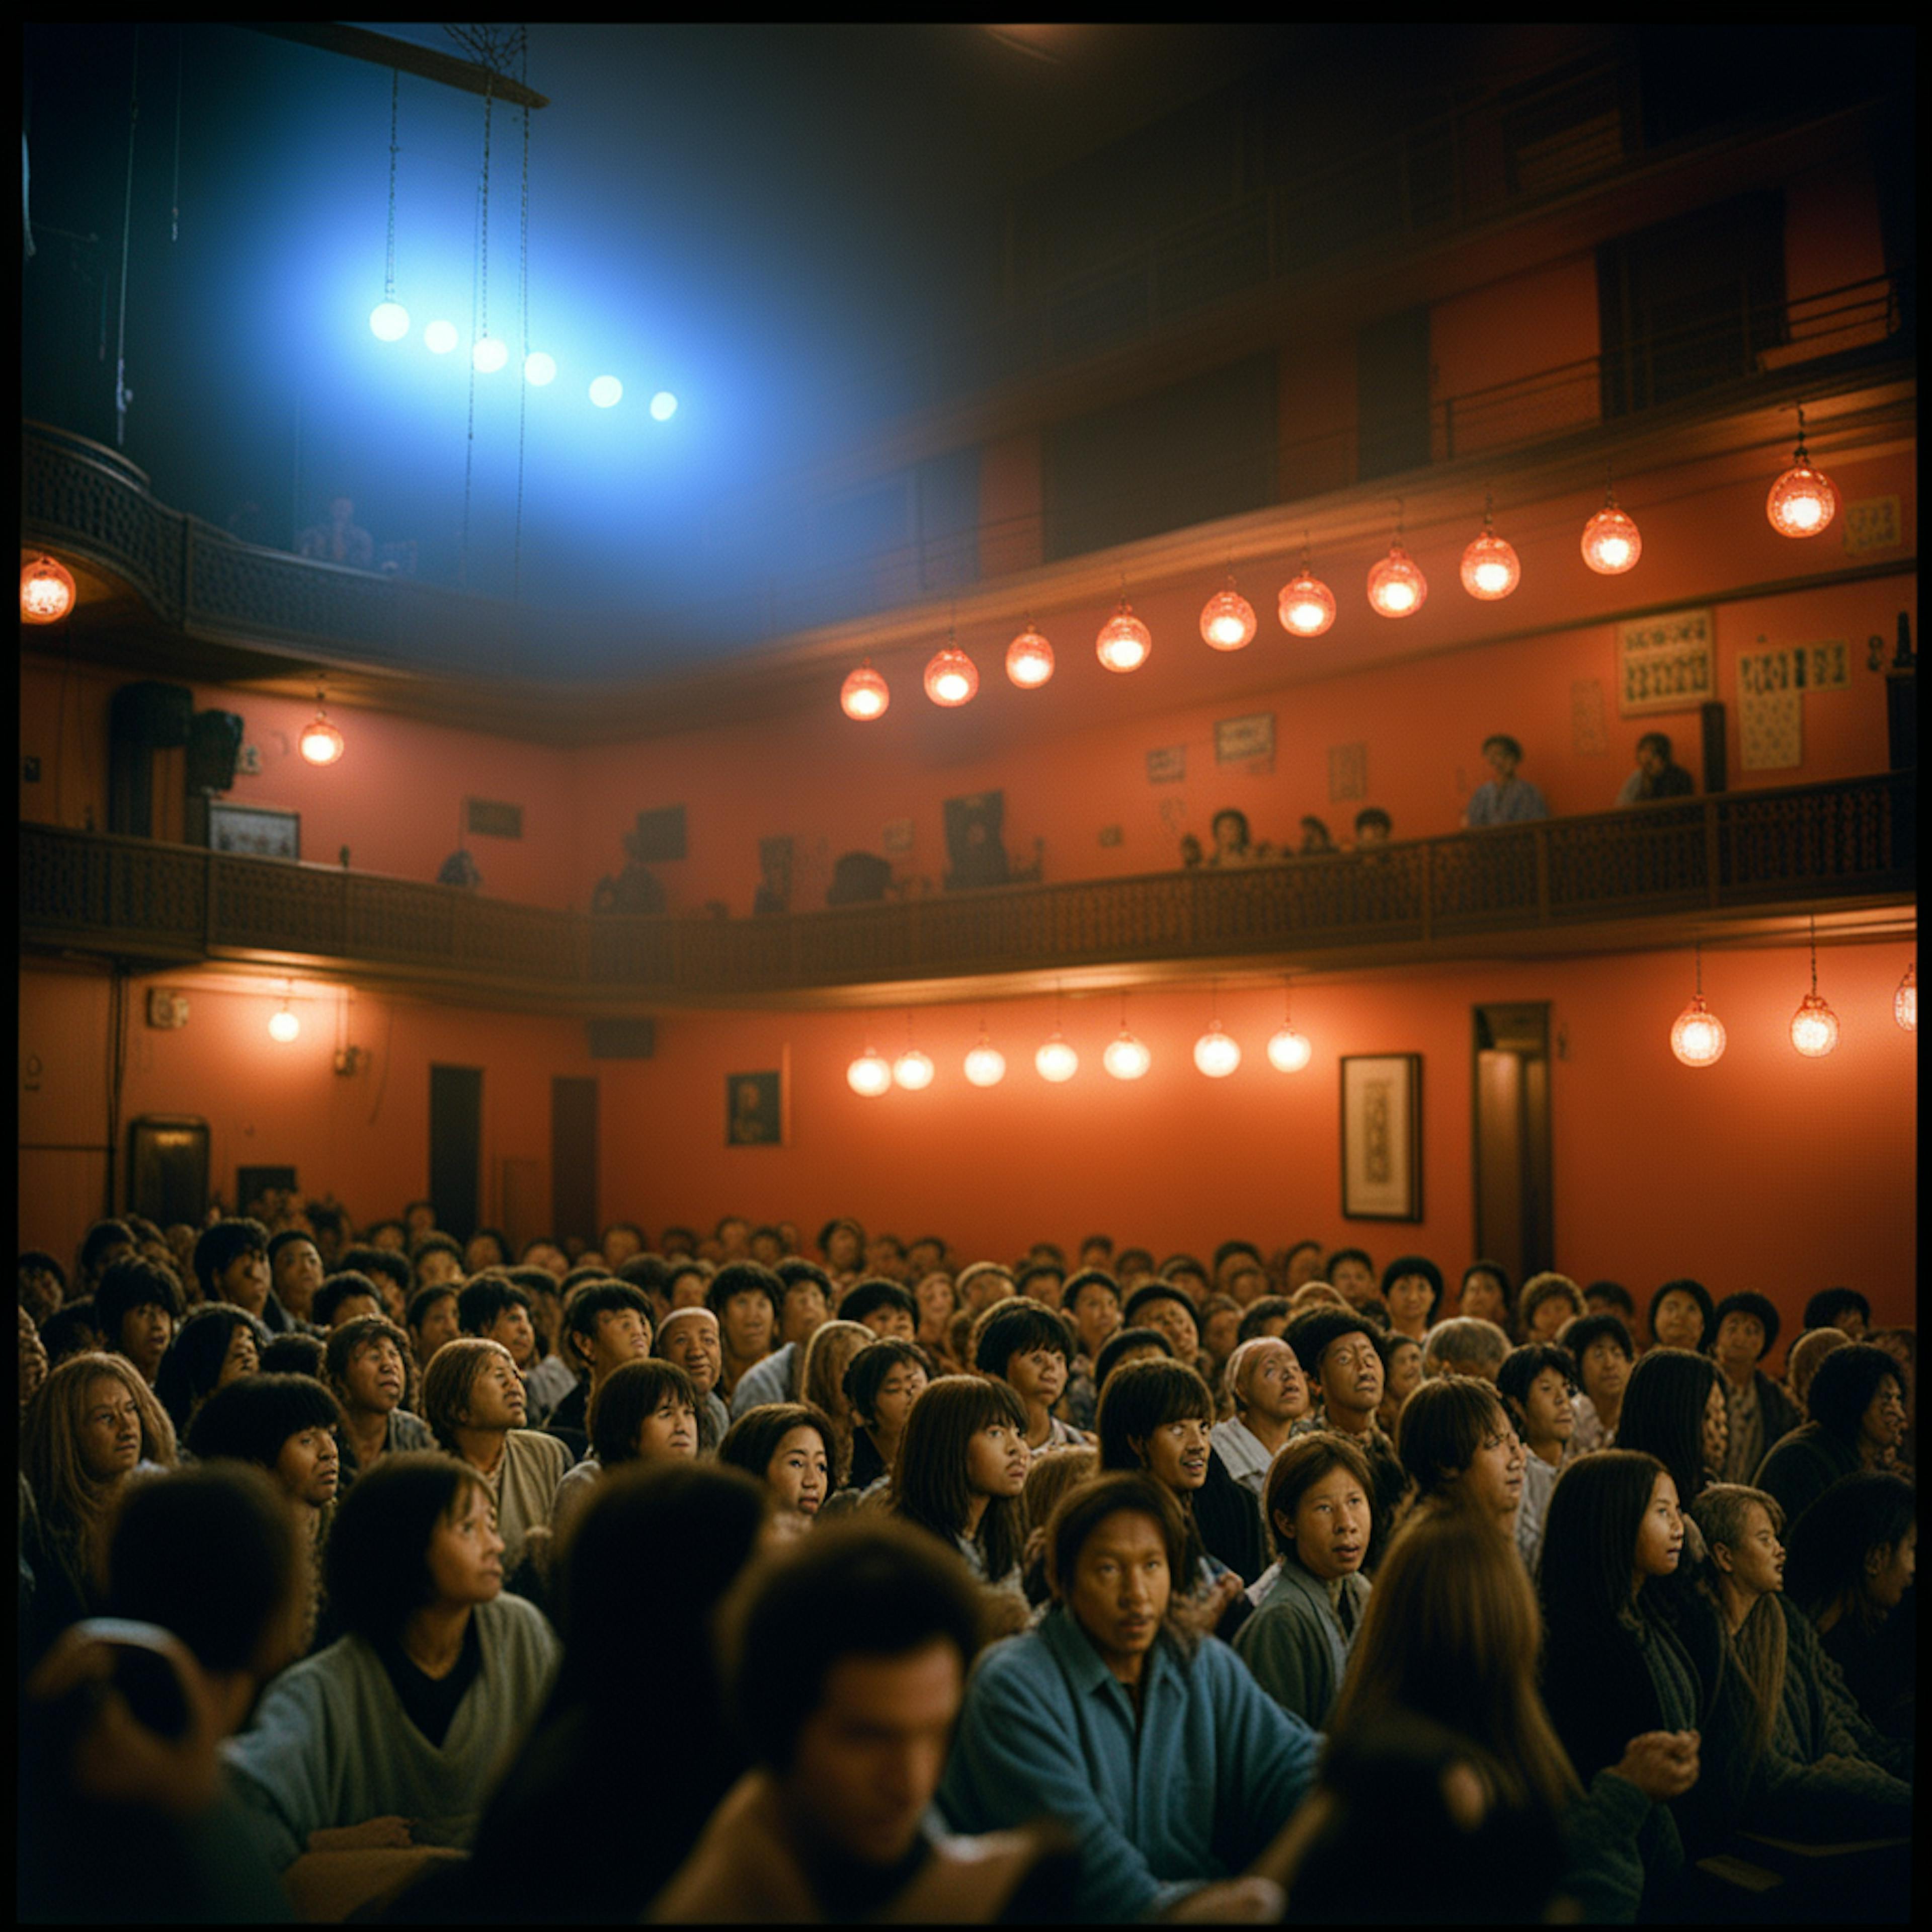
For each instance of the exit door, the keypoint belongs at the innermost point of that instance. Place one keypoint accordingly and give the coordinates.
(1515, 1217)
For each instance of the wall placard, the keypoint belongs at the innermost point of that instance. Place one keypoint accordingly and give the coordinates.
(1589, 735)
(1872, 522)
(1770, 710)
(1348, 772)
(1237, 741)
(1167, 764)
(1665, 663)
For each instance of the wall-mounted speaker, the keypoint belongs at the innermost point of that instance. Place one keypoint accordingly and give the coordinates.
(213, 745)
(622, 1039)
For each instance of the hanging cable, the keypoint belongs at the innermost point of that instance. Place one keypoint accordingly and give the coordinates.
(479, 326)
(389, 262)
(523, 353)
(122, 396)
(174, 213)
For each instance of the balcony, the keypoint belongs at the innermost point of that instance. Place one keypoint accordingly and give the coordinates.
(1607, 882)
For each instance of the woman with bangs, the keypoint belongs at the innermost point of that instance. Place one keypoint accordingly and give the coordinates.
(962, 1465)
(643, 1411)
(790, 1447)
(216, 1344)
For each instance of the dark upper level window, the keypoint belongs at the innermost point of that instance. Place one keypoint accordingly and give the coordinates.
(1392, 394)
(1691, 302)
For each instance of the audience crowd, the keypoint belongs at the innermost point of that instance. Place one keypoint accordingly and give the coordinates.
(385, 1573)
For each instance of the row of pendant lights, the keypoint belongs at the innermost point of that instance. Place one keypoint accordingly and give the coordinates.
(1216, 1053)
(1802, 503)
(1698, 1037)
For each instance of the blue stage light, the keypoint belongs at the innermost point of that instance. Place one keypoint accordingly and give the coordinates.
(489, 355)
(663, 406)
(540, 370)
(605, 392)
(389, 322)
(441, 337)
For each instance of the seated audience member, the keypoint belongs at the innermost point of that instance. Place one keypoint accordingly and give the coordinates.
(938, 1302)
(807, 1296)
(1451, 1636)
(496, 1308)
(1680, 1316)
(1759, 1411)
(1041, 1282)
(1155, 1748)
(33, 1360)
(551, 1376)
(1220, 1330)
(841, 1244)
(1412, 1287)
(1132, 1266)
(676, 1241)
(1049, 1479)
(1024, 1345)
(1128, 1345)
(1656, 776)
(545, 1252)
(1503, 799)
(1674, 1409)
(296, 1270)
(654, 1276)
(688, 1336)
(231, 1263)
(1465, 1346)
(1267, 1315)
(385, 1741)
(805, 1305)
(1538, 1383)
(1841, 1308)
(962, 1463)
(389, 1270)
(125, 1814)
(1373, 826)
(432, 1320)
(1352, 1274)
(1402, 1372)
(1189, 1275)
(1228, 829)
(103, 1244)
(1461, 1450)
(1601, 1347)
(1315, 838)
(1157, 1418)
(436, 1259)
(1162, 1305)
(90, 1425)
(1823, 1770)
(980, 1285)
(1299, 1262)
(644, 1411)
(69, 1331)
(1308, 1606)
(849, 1652)
(1092, 1299)
(1801, 1364)
(1618, 1663)
(1549, 1302)
(1610, 1297)
(1336, 1349)
(1485, 1292)
(1853, 1559)
(418, 1219)
(745, 1298)
(733, 1235)
(1902, 1346)
(620, 1241)
(137, 1308)
(1857, 1406)
(42, 1284)
(926, 1256)
(605, 1325)
(347, 1297)
(1230, 1257)
(767, 1245)
(1097, 1251)
(1269, 1394)
(366, 1367)
(488, 1248)
(295, 1354)
(787, 1446)
(881, 1382)
(828, 1355)
(472, 1400)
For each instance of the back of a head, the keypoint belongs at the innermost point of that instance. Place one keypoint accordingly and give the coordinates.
(1829, 1546)
(1465, 1345)
(1843, 1388)
(865, 1587)
(1663, 1414)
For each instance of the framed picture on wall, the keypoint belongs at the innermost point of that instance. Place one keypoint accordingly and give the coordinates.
(1381, 1137)
(754, 1109)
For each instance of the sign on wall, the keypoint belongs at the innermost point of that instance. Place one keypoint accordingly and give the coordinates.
(1667, 663)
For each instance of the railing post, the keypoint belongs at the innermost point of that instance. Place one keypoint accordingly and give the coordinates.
(207, 904)
(1713, 849)
(1428, 890)
(1542, 874)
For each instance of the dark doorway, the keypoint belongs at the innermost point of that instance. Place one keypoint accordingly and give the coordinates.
(1515, 1222)
(167, 1169)
(573, 1157)
(455, 1146)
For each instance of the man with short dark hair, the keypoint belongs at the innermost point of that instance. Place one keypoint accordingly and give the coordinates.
(1656, 775)
(1335, 1348)
(1842, 1308)
(294, 1271)
(1760, 1414)
(104, 1243)
(1043, 1282)
(389, 1269)
(846, 1663)
(432, 1322)
(344, 1297)
(1504, 799)
(804, 1307)
(437, 1258)
(606, 1324)
(231, 1262)
(1024, 1345)
(1373, 826)
(747, 1299)
(1093, 1301)
(137, 1308)
(883, 1306)
(497, 1309)
(365, 1367)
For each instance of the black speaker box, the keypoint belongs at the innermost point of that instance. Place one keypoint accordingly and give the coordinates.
(622, 1039)
(214, 744)
(157, 715)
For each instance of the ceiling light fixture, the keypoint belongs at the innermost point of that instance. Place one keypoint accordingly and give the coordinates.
(47, 591)
(283, 1026)
(388, 320)
(864, 695)
(985, 1065)
(607, 392)
(1814, 1027)
(1215, 1053)
(1056, 1061)
(1802, 501)
(1396, 586)
(1126, 1058)
(539, 370)
(952, 677)
(1491, 568)
(1905, 1002)
(913, 1070)
(1228, 620)
(1612, 543)
(1697, 1038)
(1029, 659)
(320, 742)
(440, 337)
(870, 1075)
(1306, 606)
(1124, 642)
(1288, 1052)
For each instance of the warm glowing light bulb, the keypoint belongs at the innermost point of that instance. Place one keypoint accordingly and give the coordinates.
(1307, 606)
(388, 321)
(607, 392)
(1215, 1054)
(1029, 660)
(1289, 1051)
(1227, 621)
(1490, 567)
(663, 406)
(864, 696)
(1396, 586)
(1056, 1061)
(489, 355)
(440, 337)
(1124, 642)
(47, 591)
(1611, 543)
(283, 1026)
(913, 1070)
(1126, 1058)
(1697, 1039)
(1814, 1028)
(539, 370)
(1905, 1002)
(952, 677)
(321, 742)
(1802, 501)
(870, 1075)
(985, 1065)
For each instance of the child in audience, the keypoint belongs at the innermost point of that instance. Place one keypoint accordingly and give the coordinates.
(881, 1382)
(962, 1464)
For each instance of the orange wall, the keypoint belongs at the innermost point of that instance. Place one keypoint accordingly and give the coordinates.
(1766, 1171)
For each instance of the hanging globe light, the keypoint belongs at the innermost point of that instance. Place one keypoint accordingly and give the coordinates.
(283, 1026)
(47, 591)
(1611, 543)
(1215, 1054)
(1697, 1039)
(1029, 660)
(320, 743)
(1396, 586)
(1126, 1058)
(1814, 1027)
(1289, 1051)
(1905, 1002)
(388, 321)
(1307, 606)
(489, 355)
(863, 695)
(1124, 642)
(952, 677)
(1056, 1061)
(913, 1070)
(539, 369)
(985, 1065)
(664, 406)
(870, 1075)
(607, 392)
(1228, 620)
(440, 337)
(1491, 569)
(1802, 501)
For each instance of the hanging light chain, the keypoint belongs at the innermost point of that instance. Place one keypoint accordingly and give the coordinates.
(389, 264)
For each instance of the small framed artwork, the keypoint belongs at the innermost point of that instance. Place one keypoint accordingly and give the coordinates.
(257, 831)
(1381, 1137)
(754, 1109)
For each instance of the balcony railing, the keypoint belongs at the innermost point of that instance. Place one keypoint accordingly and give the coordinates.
(1733, 852)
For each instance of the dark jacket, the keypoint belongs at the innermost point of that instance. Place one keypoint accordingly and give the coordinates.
(1229, 1518)
(1802, 1466)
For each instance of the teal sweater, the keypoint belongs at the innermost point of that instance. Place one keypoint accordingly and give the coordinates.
(1194, 1791)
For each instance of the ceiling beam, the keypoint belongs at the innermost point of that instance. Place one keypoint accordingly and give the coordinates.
(386, 50)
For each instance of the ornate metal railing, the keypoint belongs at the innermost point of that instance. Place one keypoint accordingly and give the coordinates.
(137, 899)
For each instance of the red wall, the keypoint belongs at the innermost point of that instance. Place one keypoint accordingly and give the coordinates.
(1767, 1171)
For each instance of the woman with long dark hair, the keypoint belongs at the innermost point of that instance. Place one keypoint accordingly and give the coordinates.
(1857, 1406)
(962, 1465)
(1674, 1409)
(216, 1344)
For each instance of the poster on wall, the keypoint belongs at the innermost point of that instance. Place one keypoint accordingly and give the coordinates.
(1770, 710)
(1665, 663)
(1381, 1137)
(754, 1109)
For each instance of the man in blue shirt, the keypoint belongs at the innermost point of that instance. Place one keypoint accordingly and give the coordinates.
(1506, 799)
(1168, 1763)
